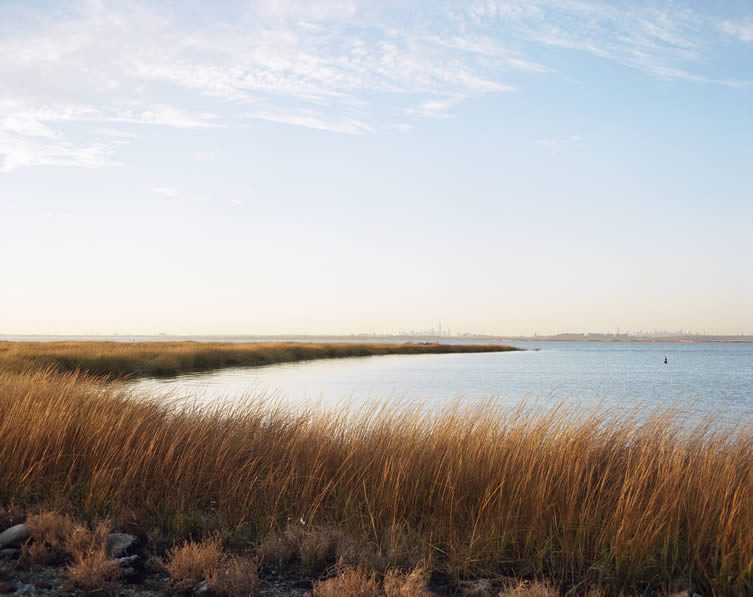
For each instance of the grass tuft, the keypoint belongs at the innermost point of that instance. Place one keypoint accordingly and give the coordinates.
(351, 582)
(235, 576)
(411, 584)
(225, 574)
(56, 538)
(192, 562)
(532, 589)
(91, 567)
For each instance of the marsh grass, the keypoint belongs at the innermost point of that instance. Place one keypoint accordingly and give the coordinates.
(623, 502)
(121, 359)
(193, 561)
(196, 561)
(57, 538)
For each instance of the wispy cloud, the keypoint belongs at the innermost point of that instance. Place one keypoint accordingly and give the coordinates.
(165, 115)
(490, 48)
(19, 151)
(122, 136)
(555, 145)
(173, 193)
(166, 192)
(343, 66)
(662, 39)
(434, 108)
(312, 120)
(55, 215)
(741, 30)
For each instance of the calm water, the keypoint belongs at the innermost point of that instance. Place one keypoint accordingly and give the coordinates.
(715, 378)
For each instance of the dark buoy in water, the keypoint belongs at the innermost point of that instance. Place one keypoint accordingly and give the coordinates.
(665, 360)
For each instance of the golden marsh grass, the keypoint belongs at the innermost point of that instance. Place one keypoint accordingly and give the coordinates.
(625, 502)
(171, 358)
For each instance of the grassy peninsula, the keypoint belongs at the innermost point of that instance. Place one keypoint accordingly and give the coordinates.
(592, 501)
(119, 359)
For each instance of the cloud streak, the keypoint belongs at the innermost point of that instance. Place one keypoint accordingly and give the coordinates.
(556, 145)
(166, 192)
(340, 66)
(661, 39)
(742, 31)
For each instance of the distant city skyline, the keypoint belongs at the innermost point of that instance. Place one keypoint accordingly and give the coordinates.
(504, 167)
(426, 333)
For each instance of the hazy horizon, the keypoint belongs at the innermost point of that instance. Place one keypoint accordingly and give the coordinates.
(638, 334)
(345, 167)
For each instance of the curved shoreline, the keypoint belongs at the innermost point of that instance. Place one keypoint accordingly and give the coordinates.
(165, 359)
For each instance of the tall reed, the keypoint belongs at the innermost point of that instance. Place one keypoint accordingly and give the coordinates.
(623, 501)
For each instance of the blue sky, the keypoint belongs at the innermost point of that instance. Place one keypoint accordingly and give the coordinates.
(333, 167)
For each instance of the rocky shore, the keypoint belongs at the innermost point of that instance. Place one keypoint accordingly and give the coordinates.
(135, 571)
(50, 554)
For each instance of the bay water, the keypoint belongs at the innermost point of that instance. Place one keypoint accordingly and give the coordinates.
(702, 378)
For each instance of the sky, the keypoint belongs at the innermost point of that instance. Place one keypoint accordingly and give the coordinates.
(336, 167)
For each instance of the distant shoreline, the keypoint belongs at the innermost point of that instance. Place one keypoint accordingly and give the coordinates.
(156, 359)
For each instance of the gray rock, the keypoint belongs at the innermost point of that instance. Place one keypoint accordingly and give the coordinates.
(202, 588)
(9, 553)
(118, 544)
(14, 536)
(128, 565)
(126, 561)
